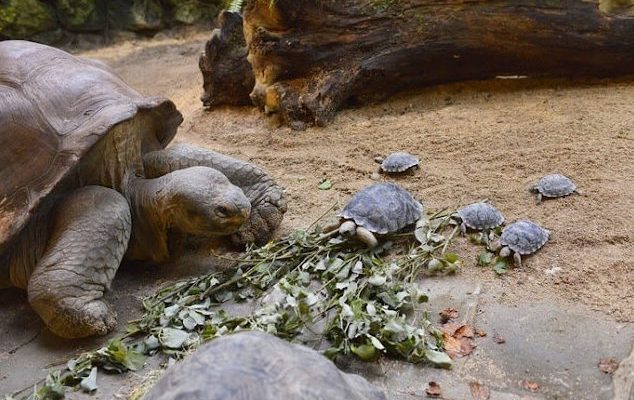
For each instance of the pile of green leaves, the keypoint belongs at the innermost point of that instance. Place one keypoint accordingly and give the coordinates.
(311, 287)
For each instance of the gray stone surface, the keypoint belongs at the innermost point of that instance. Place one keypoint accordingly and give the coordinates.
(556, 345)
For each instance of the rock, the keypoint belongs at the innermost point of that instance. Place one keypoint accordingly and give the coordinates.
(21, 19)
(191, 11)
(82, 15)
(138, 15)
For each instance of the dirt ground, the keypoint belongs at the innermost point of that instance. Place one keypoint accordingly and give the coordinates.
(476, 140)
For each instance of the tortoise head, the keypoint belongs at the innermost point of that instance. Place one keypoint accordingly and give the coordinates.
(202, 201)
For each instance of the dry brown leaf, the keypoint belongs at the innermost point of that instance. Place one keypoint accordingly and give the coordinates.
(450, 328)
(433, 389)
(479, 391)
(457, 346)
(447, 314)
(464, 331)
(608, 365)
(452, 346)
(530, 385)
(466, 346)
(498, 339)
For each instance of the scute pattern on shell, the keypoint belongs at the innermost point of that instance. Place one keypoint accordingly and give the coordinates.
(399, 161)
(555, 185)
(382, 208)
(524, 237)
(254, 365)
(481, 215)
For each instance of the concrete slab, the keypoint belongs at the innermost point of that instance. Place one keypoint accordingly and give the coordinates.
(555, 346)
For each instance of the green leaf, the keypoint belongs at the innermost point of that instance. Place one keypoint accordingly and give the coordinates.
(421, 235)
(89, 383)
(434, 265)
(151, 342)
(438, 358)
(475, 238)
(170, 311)
(377, 280)
(365, 352)
(501, 266)
(376, 343)
(452, 258)
(485, 258)
(325, 184)
(173, 338)
(189, 323)
(125, 356)
(332, 352)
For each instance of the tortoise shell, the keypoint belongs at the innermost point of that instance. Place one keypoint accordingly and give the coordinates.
(399, 162)
(524, 237)
(43, 141)
(254, 365)
(555, 185)
(382, 208)
(481, 215)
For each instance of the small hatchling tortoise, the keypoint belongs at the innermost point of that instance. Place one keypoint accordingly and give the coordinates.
(398, 162)
(480, 216)
(379, 208)
(522, 238)
(85, 180)
(255, 365)
(554, 185)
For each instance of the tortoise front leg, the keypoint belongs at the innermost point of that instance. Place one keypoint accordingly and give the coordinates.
(89, 238)
(268, 204)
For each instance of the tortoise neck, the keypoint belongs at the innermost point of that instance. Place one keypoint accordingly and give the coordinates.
(149, 204)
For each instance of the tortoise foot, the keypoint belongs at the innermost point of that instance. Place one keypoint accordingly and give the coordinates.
(71, 319)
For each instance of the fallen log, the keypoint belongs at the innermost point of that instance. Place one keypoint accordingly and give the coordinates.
(309, 57)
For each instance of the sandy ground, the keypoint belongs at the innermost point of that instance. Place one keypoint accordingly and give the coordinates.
(476, 140)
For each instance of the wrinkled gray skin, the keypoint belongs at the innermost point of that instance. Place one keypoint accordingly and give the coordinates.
(257, 366)
(480, 216)
(102, 187)
(266, 197)
(379, 208)
(522, 238)
(398, 162)
(554, 185)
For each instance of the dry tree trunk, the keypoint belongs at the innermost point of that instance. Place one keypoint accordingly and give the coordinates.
(227, 75)
(311, 56)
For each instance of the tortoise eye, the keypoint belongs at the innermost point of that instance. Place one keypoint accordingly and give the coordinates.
(222, 210)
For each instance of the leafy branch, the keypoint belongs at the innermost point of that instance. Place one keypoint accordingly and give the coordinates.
(310, 287)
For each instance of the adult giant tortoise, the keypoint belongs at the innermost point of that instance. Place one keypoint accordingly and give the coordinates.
(85, 180)
(255, 365)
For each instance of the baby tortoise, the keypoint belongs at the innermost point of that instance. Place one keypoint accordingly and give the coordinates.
(378, 209)
(522, 238)
(480, 216)
(554, 185)
(398, 162)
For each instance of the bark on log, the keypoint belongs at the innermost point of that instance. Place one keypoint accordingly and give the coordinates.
(227, 75)
(311, 56)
